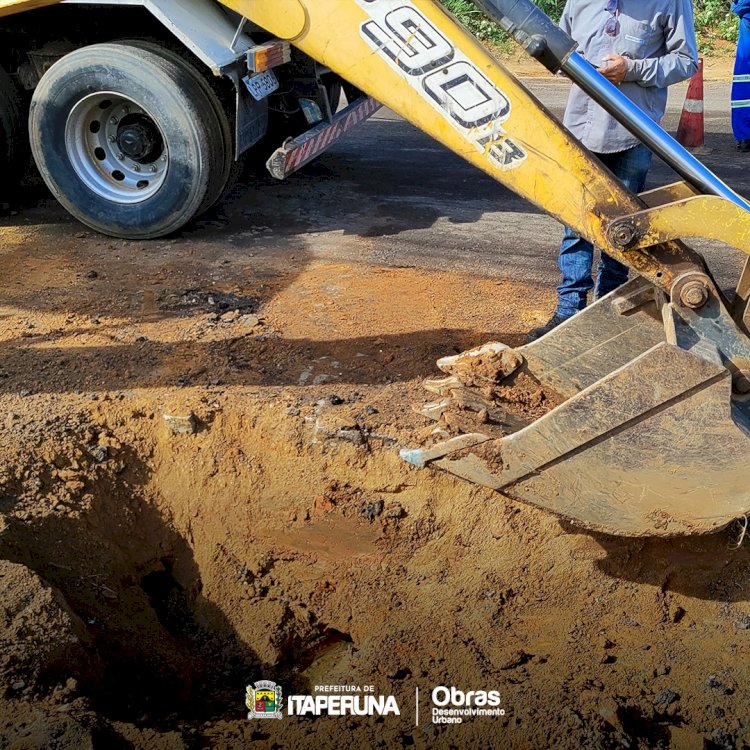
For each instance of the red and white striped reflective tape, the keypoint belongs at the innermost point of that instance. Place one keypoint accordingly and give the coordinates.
(295, 154)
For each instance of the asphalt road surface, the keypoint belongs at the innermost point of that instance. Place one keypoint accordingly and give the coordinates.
(388, 194)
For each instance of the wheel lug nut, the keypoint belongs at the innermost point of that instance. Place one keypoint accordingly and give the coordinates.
(152, 168)
(113, 120)
(136, 168)
(111, 139)
(120, 157)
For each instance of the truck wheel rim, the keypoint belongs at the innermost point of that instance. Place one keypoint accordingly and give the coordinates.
(116, 148)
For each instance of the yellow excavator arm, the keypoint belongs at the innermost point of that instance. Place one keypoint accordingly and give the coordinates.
(652, 436)
(415, 58)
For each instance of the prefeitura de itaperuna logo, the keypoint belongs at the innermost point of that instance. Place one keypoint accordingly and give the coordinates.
(263, 699)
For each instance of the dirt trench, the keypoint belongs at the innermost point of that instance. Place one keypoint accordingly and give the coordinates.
(159, 572)
(200, 487)
(192, 550)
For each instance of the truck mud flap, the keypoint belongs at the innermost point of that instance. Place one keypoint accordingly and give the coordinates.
(297, 152)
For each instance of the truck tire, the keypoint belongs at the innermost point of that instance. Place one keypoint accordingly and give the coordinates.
(223, 180)
(14, 142)
(127, 140)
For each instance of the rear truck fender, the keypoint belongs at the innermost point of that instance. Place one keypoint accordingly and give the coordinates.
(218, 38)
(214, 36)
(220, 41)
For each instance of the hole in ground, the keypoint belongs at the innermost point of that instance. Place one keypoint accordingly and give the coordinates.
(158, 651)
(181, 602)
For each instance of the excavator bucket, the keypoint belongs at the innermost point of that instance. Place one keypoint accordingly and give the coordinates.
(648, 430)
(648, 439)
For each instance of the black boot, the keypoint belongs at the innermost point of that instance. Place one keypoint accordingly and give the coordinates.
(553, 322)
(743, 146)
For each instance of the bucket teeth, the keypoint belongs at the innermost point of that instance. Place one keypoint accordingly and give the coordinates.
(420, 457)
(471, 375)
(434, 409)
(457, 396)
(442, 386)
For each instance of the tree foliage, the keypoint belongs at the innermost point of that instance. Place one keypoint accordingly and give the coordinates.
(713, 20)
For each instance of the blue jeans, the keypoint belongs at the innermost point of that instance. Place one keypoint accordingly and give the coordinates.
(576, 257)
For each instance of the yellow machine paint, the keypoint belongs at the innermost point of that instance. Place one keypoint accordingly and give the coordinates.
(9, 7)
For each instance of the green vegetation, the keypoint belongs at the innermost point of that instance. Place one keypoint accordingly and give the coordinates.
(476, 22)
(713, 21)
(484, 29)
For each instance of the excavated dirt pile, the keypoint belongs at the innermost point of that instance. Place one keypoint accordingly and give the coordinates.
(196, 494)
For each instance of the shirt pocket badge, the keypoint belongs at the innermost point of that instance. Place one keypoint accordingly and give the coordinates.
(636, 37)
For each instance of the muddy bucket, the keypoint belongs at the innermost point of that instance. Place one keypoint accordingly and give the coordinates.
(648, 438)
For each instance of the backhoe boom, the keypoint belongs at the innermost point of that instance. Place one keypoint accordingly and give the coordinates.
(414, 57)
(654, 377)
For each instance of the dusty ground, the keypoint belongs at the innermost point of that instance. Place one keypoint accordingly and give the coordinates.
(149, 576)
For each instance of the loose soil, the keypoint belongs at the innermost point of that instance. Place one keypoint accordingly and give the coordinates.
(153, 567)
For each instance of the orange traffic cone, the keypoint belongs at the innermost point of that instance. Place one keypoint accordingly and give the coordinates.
(690, 131)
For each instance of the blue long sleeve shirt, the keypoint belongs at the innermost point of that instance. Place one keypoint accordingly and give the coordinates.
(658, 39)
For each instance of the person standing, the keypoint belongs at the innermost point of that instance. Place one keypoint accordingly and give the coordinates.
(642, 46)
(741, 79)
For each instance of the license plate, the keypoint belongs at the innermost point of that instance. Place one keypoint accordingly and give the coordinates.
(262, 84)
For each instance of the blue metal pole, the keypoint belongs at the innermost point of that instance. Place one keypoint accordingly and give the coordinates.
(608, 96)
